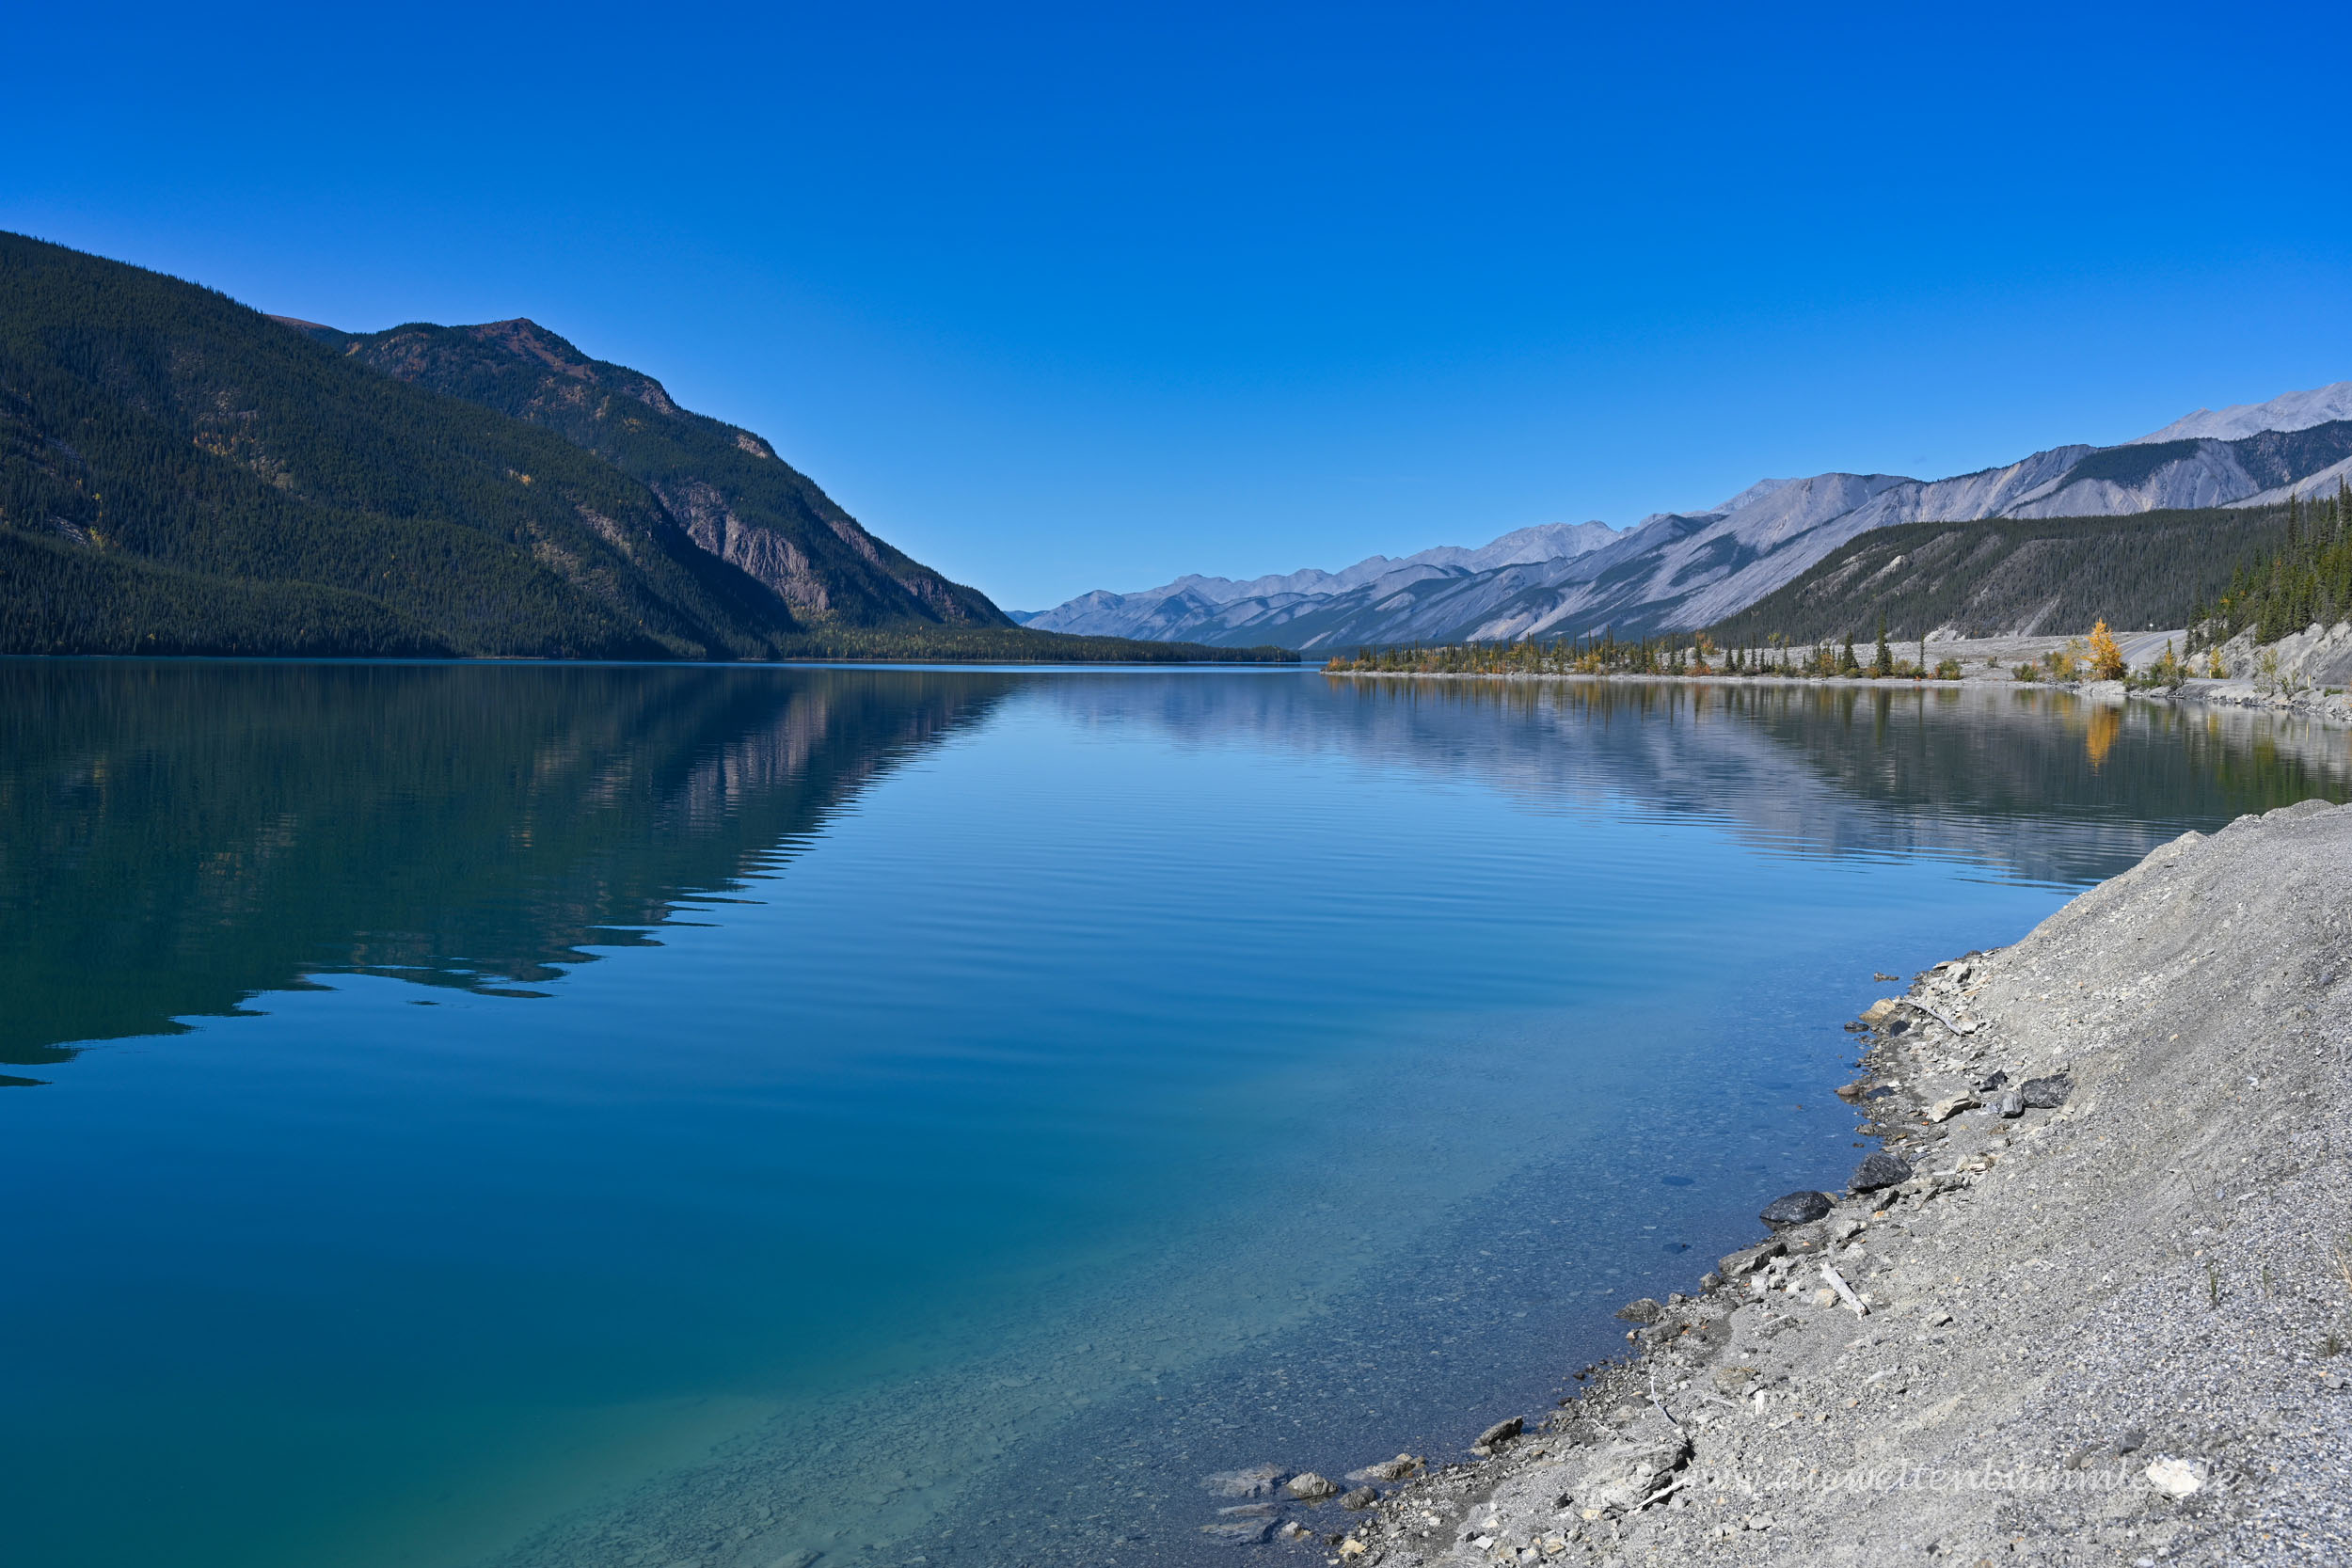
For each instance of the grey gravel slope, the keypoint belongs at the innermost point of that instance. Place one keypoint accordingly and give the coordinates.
(2149, 1284)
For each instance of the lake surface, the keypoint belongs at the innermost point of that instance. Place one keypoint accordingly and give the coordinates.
(584, 1115)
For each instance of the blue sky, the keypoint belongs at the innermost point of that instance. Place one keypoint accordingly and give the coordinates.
(1066, 297)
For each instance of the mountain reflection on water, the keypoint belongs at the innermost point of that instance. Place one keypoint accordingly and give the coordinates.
(180, 836)
(2038, 786)
(176, 837)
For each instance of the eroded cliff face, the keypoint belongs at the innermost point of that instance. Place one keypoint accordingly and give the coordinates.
(766, 553)
(726, 489)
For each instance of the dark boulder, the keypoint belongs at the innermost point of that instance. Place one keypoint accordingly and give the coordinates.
(1796, 1209)
(1880, 1169)
(1502, 1432)
(2045, 1094)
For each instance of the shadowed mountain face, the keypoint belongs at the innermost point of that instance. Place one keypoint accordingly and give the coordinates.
(725, 486)
(181, 474)
(175, 838)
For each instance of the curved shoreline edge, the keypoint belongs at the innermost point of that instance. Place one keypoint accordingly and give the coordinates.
(2113, 1329)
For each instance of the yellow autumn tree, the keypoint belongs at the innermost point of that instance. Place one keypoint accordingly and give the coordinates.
(2106, 658)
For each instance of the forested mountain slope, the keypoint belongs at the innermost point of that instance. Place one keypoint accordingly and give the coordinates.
(179, 474)
(2004, 575)
(724, 485)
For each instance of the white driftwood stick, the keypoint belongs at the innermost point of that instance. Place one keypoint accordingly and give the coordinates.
(1844, 1291)
(1953, 1024)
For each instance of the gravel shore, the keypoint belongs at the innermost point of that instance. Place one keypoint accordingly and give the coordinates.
(2098, 1312)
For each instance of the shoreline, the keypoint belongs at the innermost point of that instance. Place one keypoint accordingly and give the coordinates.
(2097, 1308)
(2329, 708)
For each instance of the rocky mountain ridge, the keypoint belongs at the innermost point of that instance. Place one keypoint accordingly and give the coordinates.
(1683, 570)
(724, 485)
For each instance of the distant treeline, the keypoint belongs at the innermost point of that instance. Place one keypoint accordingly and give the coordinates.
(1009, 645)
(2307, 578)
(1670, 654)
(56, 598)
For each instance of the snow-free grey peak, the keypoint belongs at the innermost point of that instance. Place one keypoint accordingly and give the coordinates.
(2287, 411)
(1675, 571)
(1543, 542)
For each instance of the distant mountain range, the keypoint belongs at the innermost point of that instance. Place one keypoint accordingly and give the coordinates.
(1678, 571)
(182, 474)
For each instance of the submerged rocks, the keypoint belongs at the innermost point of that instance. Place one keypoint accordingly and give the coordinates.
(1311, 1487)
(1259, 1481)
(1363, 1498)
(1796, 1209)
(1879, 1169)
(1388, 1469)
(2045, 1094)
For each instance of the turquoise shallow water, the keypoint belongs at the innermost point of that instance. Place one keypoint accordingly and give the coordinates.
(628, 1115)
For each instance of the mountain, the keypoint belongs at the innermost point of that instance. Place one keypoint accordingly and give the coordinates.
(1678, 571)
(725, 486)
(1206, 608)
(2010, 576)
(181, 474)
(2288, 411)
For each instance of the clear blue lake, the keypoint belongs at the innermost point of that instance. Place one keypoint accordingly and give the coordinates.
(518, 1115)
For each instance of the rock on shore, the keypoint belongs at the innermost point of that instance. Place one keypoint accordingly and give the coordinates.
(2111, 1325)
